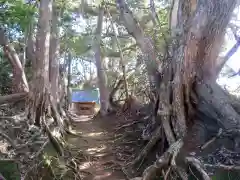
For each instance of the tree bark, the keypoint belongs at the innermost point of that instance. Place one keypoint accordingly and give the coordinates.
(13, 97)
(144, 42)
(40, 91)
(69, 64)
(191, 103)
(197, 51)
(54, 55)
(20, 83)
(121, 56)
(104, 93)
(31, 47)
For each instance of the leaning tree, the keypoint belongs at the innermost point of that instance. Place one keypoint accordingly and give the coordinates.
(190, 105)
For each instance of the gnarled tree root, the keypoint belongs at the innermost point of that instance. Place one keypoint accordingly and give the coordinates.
(197, 164)
(168, 158)
(154, 139)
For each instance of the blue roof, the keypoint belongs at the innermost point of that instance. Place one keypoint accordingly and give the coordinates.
(85, 96)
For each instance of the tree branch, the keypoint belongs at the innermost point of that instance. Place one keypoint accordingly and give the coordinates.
(144, 42)
(12, 98)
(94, 11)
(222, 61)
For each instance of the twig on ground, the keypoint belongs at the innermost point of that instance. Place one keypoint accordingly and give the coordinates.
(127, 125)
(8, 139)
(40, 150)
(222, 166)
(197, 164)
(140, 164)
(212, 139)
(193, 173)
(34, 166)
(167, 173)
(220, 134)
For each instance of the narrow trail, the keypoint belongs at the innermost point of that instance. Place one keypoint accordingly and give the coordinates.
(96, 145)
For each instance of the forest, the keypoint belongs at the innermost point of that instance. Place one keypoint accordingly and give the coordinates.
(155, 67)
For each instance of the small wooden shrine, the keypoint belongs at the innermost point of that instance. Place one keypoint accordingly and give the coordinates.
(84, 101)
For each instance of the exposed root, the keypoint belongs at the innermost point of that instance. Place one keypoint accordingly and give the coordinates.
(13, 97)
(154, 139)
(168, 158)
(197, 164)
(55, 142)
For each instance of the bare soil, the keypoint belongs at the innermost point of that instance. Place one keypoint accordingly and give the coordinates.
(98, 144)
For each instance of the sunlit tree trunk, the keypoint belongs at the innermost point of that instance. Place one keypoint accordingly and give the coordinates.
(19, 79)
(102, 84)
(192, 106)
(40, 91)
(41, 101)
(54, 55)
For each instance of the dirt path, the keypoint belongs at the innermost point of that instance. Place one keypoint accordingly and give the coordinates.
(96, 144)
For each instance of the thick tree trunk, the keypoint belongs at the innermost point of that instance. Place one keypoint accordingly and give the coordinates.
(104, 93)
(54, 55)
(197, 50)
(40, 91)
(19, 79)
(41, 100)
(192, 106)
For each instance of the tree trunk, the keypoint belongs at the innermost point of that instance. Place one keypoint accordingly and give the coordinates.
(54, 55)
(121, 56)
(69, 77)
(31, 47)
(144, 42)
(192, 106)
(41, 100)
(104, 94)
(19, 79)
(63, 76)
(40, 91)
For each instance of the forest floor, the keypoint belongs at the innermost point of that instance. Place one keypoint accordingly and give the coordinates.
(104, 147)
(96, 144)
(109, 143)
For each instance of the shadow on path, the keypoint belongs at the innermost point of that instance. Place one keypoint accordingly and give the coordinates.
(96, 144)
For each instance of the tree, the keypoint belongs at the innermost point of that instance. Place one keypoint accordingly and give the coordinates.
(40, 91)
(189, 97)
(104, 94)
(54, 54)
(19, 79)
(180, 62)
